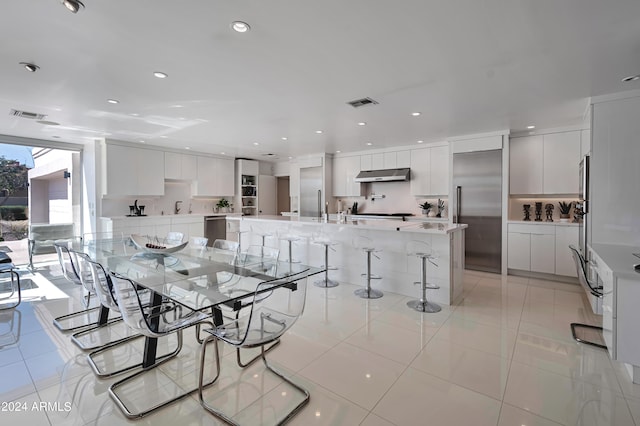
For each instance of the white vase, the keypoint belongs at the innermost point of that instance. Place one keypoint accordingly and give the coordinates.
(431, 213)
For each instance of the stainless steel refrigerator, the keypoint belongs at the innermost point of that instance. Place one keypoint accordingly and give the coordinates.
(311, 191)
(477, 179)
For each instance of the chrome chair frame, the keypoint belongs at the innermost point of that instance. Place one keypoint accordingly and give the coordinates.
(596, 291)
(219, 333)
(9, 268)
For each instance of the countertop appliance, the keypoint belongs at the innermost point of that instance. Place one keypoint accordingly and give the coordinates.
(215, 228)
(387, 175)
(583, 204)
(477, 177)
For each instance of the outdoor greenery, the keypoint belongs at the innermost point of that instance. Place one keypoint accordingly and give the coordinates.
(13, 177)
(13, 213)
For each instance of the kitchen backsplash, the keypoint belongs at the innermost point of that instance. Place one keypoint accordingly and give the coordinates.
(398, 199)
(173, 191)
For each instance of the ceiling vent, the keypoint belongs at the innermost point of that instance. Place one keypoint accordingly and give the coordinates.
(362, 102)
(26, 114)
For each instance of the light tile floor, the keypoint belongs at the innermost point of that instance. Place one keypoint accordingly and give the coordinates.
(503, 356)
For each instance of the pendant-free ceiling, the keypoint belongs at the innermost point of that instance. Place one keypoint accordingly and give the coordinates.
(73, 5)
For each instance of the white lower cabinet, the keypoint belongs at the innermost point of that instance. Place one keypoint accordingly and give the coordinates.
(157, 226)
(542, 248)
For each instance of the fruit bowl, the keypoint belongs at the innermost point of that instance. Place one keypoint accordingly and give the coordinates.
(155, 245)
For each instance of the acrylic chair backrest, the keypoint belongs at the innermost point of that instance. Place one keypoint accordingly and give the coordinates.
(103, 286)
(130, 305)
(174, 237)
(113, 242)
(83, 268)
(69, 270)
(199, 242)
(581, 269)
(270, 317)
(226, 245)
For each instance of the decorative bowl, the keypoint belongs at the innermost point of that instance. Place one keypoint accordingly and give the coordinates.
(152, 244)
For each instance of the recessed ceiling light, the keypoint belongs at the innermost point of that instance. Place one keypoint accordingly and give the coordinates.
(369, 144)
(176, 106)
(283, 138)
(631, 78)
(240, 27)
(362, 123)
(338, 152)
(416, 114)
(223, 153)
(141, 141)
(187, 147)
(113, 101)
(420, 141)
(164, 136)
(290, 157)
(160, 74)
(29, 66)
(256, 143)
(73, 5)
(531, 127)
(134, 114)
(318, 131)
(48, 123)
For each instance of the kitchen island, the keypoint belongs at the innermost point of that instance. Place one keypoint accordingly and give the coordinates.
(398, 271)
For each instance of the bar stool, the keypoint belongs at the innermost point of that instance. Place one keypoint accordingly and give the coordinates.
(285, 234)
(261, 233)
(366, 245)
(325, 282)
(423, 252)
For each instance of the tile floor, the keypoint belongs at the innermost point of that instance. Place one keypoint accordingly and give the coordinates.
(503, 356)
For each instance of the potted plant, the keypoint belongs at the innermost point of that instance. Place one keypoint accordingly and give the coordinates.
(426, 206)
(223, 204)
(565, 210)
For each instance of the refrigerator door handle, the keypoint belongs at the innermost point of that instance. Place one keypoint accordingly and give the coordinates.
(456, 219)
(319, 203)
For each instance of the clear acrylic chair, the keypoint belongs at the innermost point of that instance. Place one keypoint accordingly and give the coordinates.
(71, 272)
(591, 288)
(423, 251)
(89, 338)
(174, 237)
(198, 244)
(264, 323)
(140, 320)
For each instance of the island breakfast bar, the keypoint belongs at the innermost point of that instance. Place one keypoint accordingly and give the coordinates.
(397, 270)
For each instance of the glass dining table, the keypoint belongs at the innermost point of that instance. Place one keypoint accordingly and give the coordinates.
(199, 279)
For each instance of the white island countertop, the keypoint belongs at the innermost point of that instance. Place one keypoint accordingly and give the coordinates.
(620, 259)
(373, 224)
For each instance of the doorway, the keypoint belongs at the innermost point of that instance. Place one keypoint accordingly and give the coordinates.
(283, 202)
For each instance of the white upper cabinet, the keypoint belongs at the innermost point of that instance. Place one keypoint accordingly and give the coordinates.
(133, 171)
(545, 164)
(345, 170)
(366, 162)
(214, 177)
(525, 165)
(377, 161)
(294, 179)
(561, 160)
(180, 166)
(390, 160)
(585, 142)
(403, 159)
(430, 171)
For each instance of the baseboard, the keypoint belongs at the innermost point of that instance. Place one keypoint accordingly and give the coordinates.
(543, 276)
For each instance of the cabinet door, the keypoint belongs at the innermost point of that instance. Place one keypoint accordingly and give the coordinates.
(121, 171)
(566, 236)
(585, 142)
(420, 182)
(377, 161)
(519, 254)
(196, 229)
(172, 165)
(439, 172)
(543, 253)
(339, 178)
(150, 166)
(189, 167)
(366, 162)
(224, 177)
(206, 183)
(561, 158)
(294, 180)
(390, 160)
(526, 165)
(354, 189)
(403, 159)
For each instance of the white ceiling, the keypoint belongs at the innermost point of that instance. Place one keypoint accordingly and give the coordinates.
(469, 66)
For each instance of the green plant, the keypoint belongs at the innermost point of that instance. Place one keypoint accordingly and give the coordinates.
(223, 203)
(565, 208)
(426, 205)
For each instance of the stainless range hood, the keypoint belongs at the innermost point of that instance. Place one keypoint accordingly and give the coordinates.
(388, 175)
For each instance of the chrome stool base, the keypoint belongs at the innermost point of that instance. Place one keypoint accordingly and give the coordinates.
(424, 306)
(368, 293)
(326, 283)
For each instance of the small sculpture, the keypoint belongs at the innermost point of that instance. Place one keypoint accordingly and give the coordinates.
(538, 212)
(549, 211)
(440, 207)
(527, 212)
(578, 214)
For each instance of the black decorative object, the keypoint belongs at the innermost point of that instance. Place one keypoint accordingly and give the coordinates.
(527, 212)
(538, 212)
(549, 211)
(440, 207)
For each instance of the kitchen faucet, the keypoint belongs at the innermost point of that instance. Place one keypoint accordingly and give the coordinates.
(176, 209)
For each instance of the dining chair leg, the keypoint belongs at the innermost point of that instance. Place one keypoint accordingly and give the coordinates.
(255, 358)
(58, 322)
(113, 389)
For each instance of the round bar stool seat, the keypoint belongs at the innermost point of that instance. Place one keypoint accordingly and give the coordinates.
(366, 245)
(423, 252)
(290, 238)
(325, 282)
(261, 233)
